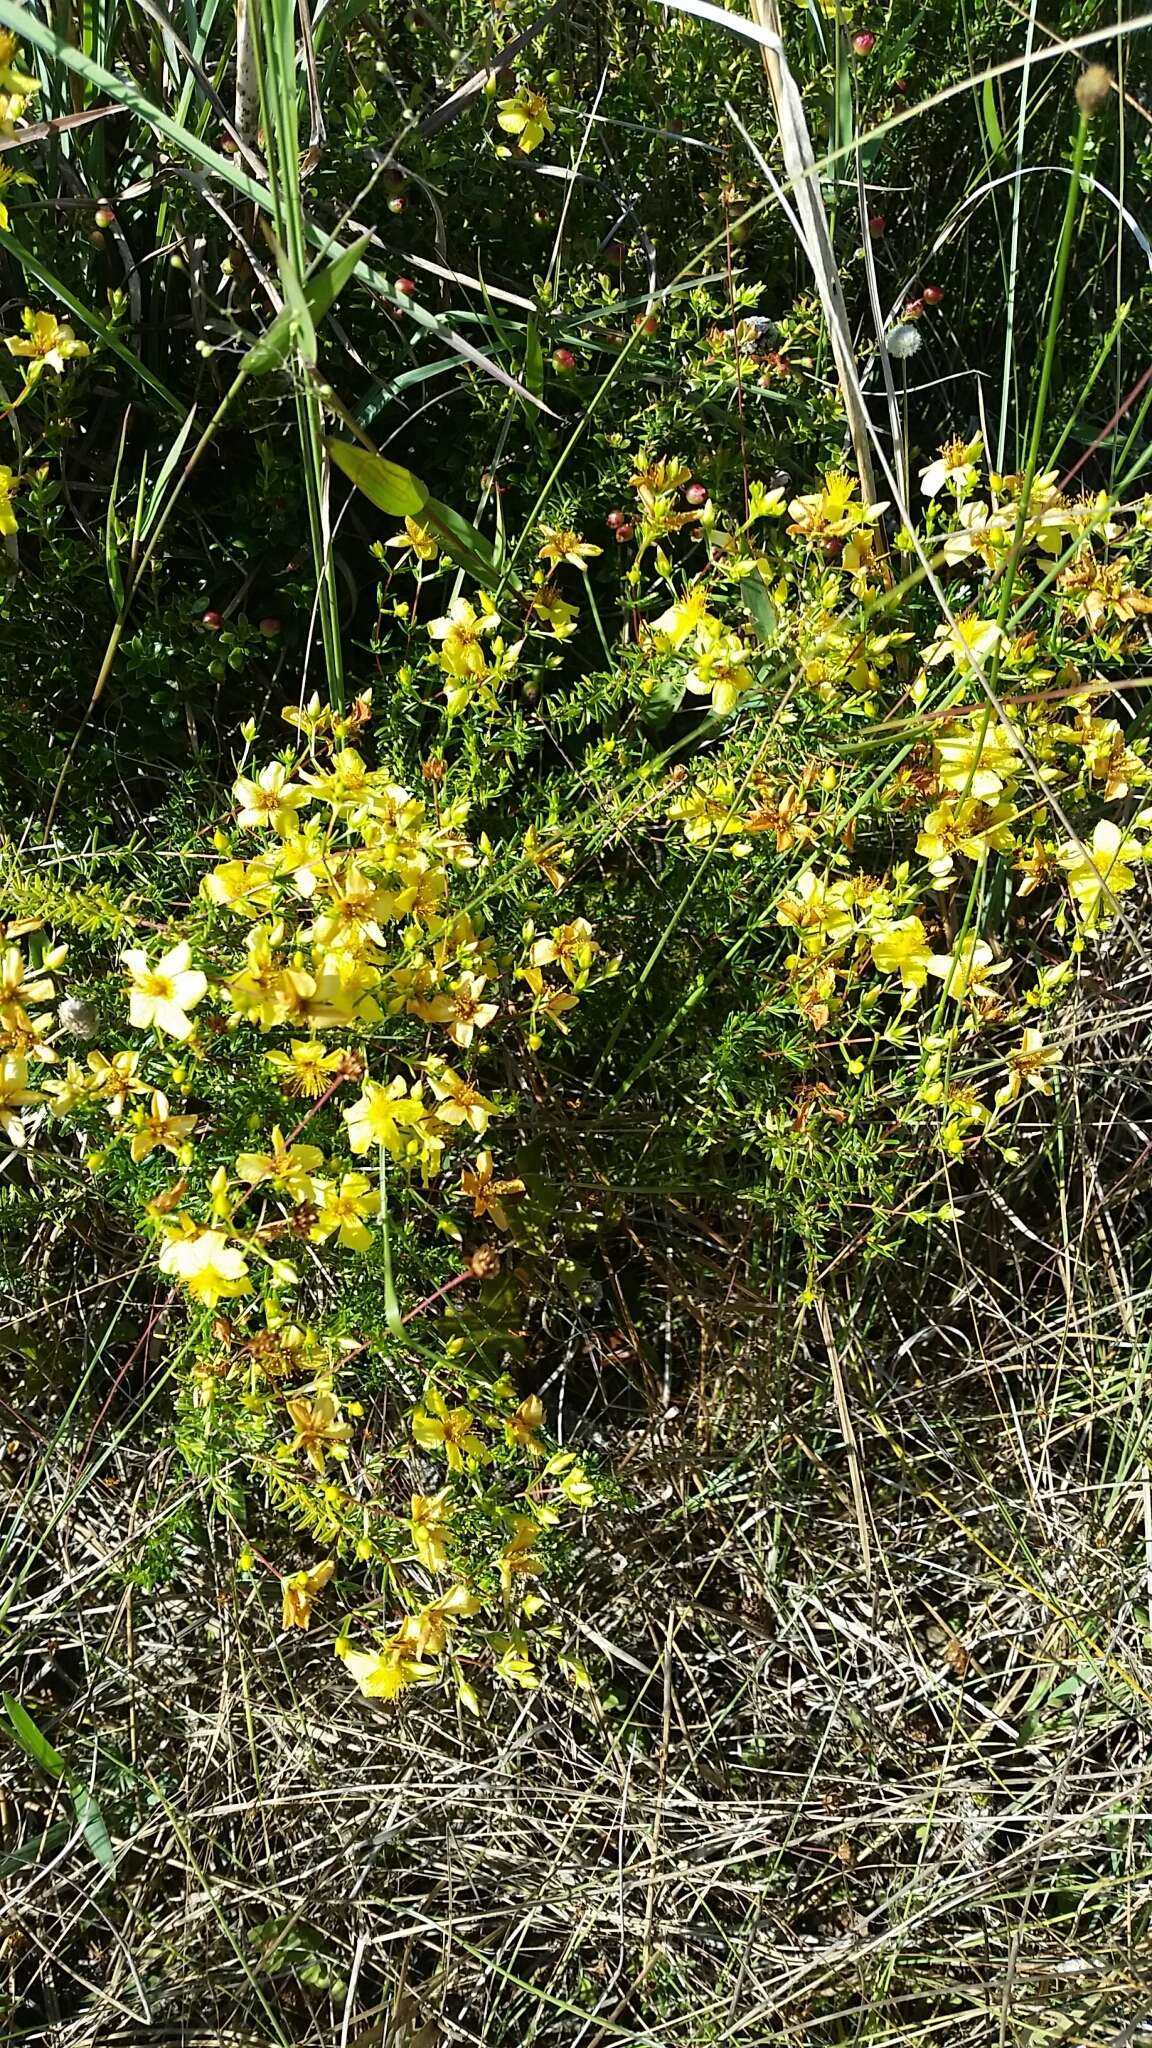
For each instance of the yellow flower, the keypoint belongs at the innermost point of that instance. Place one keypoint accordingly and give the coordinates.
(436, 1427)
(423, 544)
(521, 1427)
(955, 466)
(209, 1267)
(545, 856)
(11, 79)
(320, 1427)
(48, 343)
(15, 1094)
(709, 811)
(162, 996)
(683, 620)
(243, 886)
(9, 483)
(518, 1559)
(965, 970)
(427, 1631)
(1096, 877)
(457, 1102)
(114, 1080)
(571, 947)
(967, 645)
(160, 1128)
(384, 1674)
(833, 510)
(560, 544)
(720, 669)
(307, 1068)
(903, 948)
(382, 1115)
(462, 1010)
(967, 826)
(526, 117)
(301, 1590)
(12, 107)
(342, 1210)
(428, 1522)
(548, 605)
(460, 634)
(976, 756)
(819, 910)
(486, 1191)
(288, 1167)
(270, 799)
(1028, 1066)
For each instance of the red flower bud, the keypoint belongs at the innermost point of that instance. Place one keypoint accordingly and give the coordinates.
(625, 531)
(913, 309)
(864, 43)
(406, 285)
(932, 294)
(212, 621)
(696, 494)
(563, 360)
(617, 519)
(270, 628)
(876, 225)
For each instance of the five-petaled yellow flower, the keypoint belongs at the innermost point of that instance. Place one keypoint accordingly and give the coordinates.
(526, 117)
(162, 996)
(300, 1590)
(209, 1267)
(160, 1128)
(560, 544)
(487, 1192)
(47, 343)
(320, 1427)
(436, 1427)
(428, 1522)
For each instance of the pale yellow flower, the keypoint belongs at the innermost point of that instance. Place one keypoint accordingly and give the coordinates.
(162, 996)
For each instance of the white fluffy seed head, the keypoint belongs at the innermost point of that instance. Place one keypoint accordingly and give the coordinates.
(903, 341)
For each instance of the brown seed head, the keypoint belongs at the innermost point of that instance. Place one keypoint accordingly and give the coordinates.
(1093, 90)
(484, 1263)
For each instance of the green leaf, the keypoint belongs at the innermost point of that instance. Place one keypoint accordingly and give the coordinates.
(463, 542)
(92, 1823)
(31, 1741)
(992, 128)
(322, 288)
(385, 484)
(760, 608)
(533, 358)
(662, 703)
(38, 1747)
(45, 1845)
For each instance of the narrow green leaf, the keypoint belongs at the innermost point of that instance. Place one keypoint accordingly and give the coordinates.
(111, 551)
(387, 486)
(322, 288)
(533, 358)
(169, 463)
(45, 1845)
(92, 1824)
(760, 608)
(463, 542)
(992, 128)
(31, 1741)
